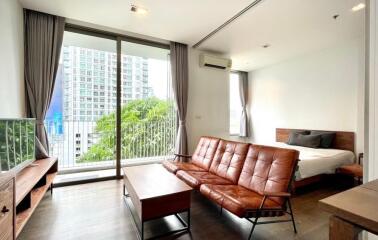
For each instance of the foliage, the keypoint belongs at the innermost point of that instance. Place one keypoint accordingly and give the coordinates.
(16, 142)
(147, 129)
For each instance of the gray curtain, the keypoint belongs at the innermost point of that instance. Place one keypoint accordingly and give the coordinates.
(179, 67)
(43, 38)
(243, 92)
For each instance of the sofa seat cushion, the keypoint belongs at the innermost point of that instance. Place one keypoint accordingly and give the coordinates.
(241, 201)
(195, 178)
(173, 167)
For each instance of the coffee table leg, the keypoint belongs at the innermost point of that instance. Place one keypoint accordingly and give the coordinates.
(142, 231)
(139, 225)
(189, 220)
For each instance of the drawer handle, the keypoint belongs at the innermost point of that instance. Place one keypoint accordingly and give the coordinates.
(5, 210)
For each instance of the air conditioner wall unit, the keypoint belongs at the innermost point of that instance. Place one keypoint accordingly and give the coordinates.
(215, 62)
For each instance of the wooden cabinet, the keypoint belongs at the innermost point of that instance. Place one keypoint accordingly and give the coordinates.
(7, 213)
(20, 194)
(31, 185)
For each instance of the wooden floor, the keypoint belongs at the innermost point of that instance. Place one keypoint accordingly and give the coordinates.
(97, 211)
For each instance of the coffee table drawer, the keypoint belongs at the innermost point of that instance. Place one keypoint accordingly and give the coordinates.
(133, 197)
(165, 205)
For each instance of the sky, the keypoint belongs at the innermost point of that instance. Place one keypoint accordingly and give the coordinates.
(157, 77)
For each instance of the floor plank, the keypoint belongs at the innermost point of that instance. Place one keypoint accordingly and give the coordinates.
(96, 211)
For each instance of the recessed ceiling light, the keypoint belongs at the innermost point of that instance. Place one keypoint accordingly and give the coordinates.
(265, 45)
(138, 10)
(358, 7)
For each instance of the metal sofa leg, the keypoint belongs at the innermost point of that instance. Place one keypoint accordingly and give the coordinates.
(253, 228)
(292, 216)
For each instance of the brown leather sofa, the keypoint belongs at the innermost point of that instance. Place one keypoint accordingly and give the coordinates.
(251, 181)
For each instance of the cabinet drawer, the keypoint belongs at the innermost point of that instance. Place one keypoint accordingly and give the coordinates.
(6, 219)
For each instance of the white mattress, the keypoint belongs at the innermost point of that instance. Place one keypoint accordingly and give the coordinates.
(315, 161)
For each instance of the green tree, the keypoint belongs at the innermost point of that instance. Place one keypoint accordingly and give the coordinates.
(148, 128)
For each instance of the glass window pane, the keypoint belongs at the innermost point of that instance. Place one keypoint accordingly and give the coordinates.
(148, 115)
(82, 132)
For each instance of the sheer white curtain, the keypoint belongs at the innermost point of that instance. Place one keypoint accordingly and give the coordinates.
(243, 92)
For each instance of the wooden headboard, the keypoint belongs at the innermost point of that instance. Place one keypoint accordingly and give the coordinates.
(343, 140)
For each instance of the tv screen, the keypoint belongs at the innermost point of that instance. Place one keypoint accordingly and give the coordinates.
(17, 143)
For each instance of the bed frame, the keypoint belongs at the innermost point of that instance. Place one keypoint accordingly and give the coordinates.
(343, 140)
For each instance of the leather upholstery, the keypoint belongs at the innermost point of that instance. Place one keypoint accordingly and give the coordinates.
(195, 179)
(240, 201)
(265, 169)
(201, 159)
(238, 174)
(268, 169)
(204, 153)
(225, 167)
(173, 167)
(353, 170)
(229, 159)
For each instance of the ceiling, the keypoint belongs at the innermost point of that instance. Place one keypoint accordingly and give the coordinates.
(290, 27)
(175, 20)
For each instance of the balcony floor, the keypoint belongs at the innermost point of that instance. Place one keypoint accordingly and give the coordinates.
(84, 176)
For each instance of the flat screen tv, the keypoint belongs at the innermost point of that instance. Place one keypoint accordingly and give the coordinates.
(17, 144)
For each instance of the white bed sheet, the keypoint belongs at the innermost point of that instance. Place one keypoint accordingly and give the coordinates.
(314, 161)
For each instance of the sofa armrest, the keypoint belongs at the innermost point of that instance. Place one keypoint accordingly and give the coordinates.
(177, 155)
(268, 194)
(183, 155)
(276, 194)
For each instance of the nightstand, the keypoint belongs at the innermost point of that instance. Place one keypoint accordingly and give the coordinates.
(354, 170)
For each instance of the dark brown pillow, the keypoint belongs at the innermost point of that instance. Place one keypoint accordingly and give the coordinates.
(294, 132)
(326, 138)
(311, 141)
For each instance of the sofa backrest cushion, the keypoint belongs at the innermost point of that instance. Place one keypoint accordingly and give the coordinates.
(204, 153)
(268, 168)
(229, 159)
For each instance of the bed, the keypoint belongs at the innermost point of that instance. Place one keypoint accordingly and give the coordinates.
(318, 163)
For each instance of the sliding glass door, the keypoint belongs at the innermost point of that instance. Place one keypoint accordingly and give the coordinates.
(148, 116)
(92, 93)
(84, 96)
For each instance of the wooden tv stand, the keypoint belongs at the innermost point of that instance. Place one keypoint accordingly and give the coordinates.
(31, 185)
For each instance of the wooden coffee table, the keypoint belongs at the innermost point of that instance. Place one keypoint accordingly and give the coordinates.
(352, 211)
(152, 192)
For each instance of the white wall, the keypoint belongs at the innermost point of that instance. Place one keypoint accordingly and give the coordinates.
(371, 101)
(322, 90)
(371, 147)
(207, 102)
(12, 100)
